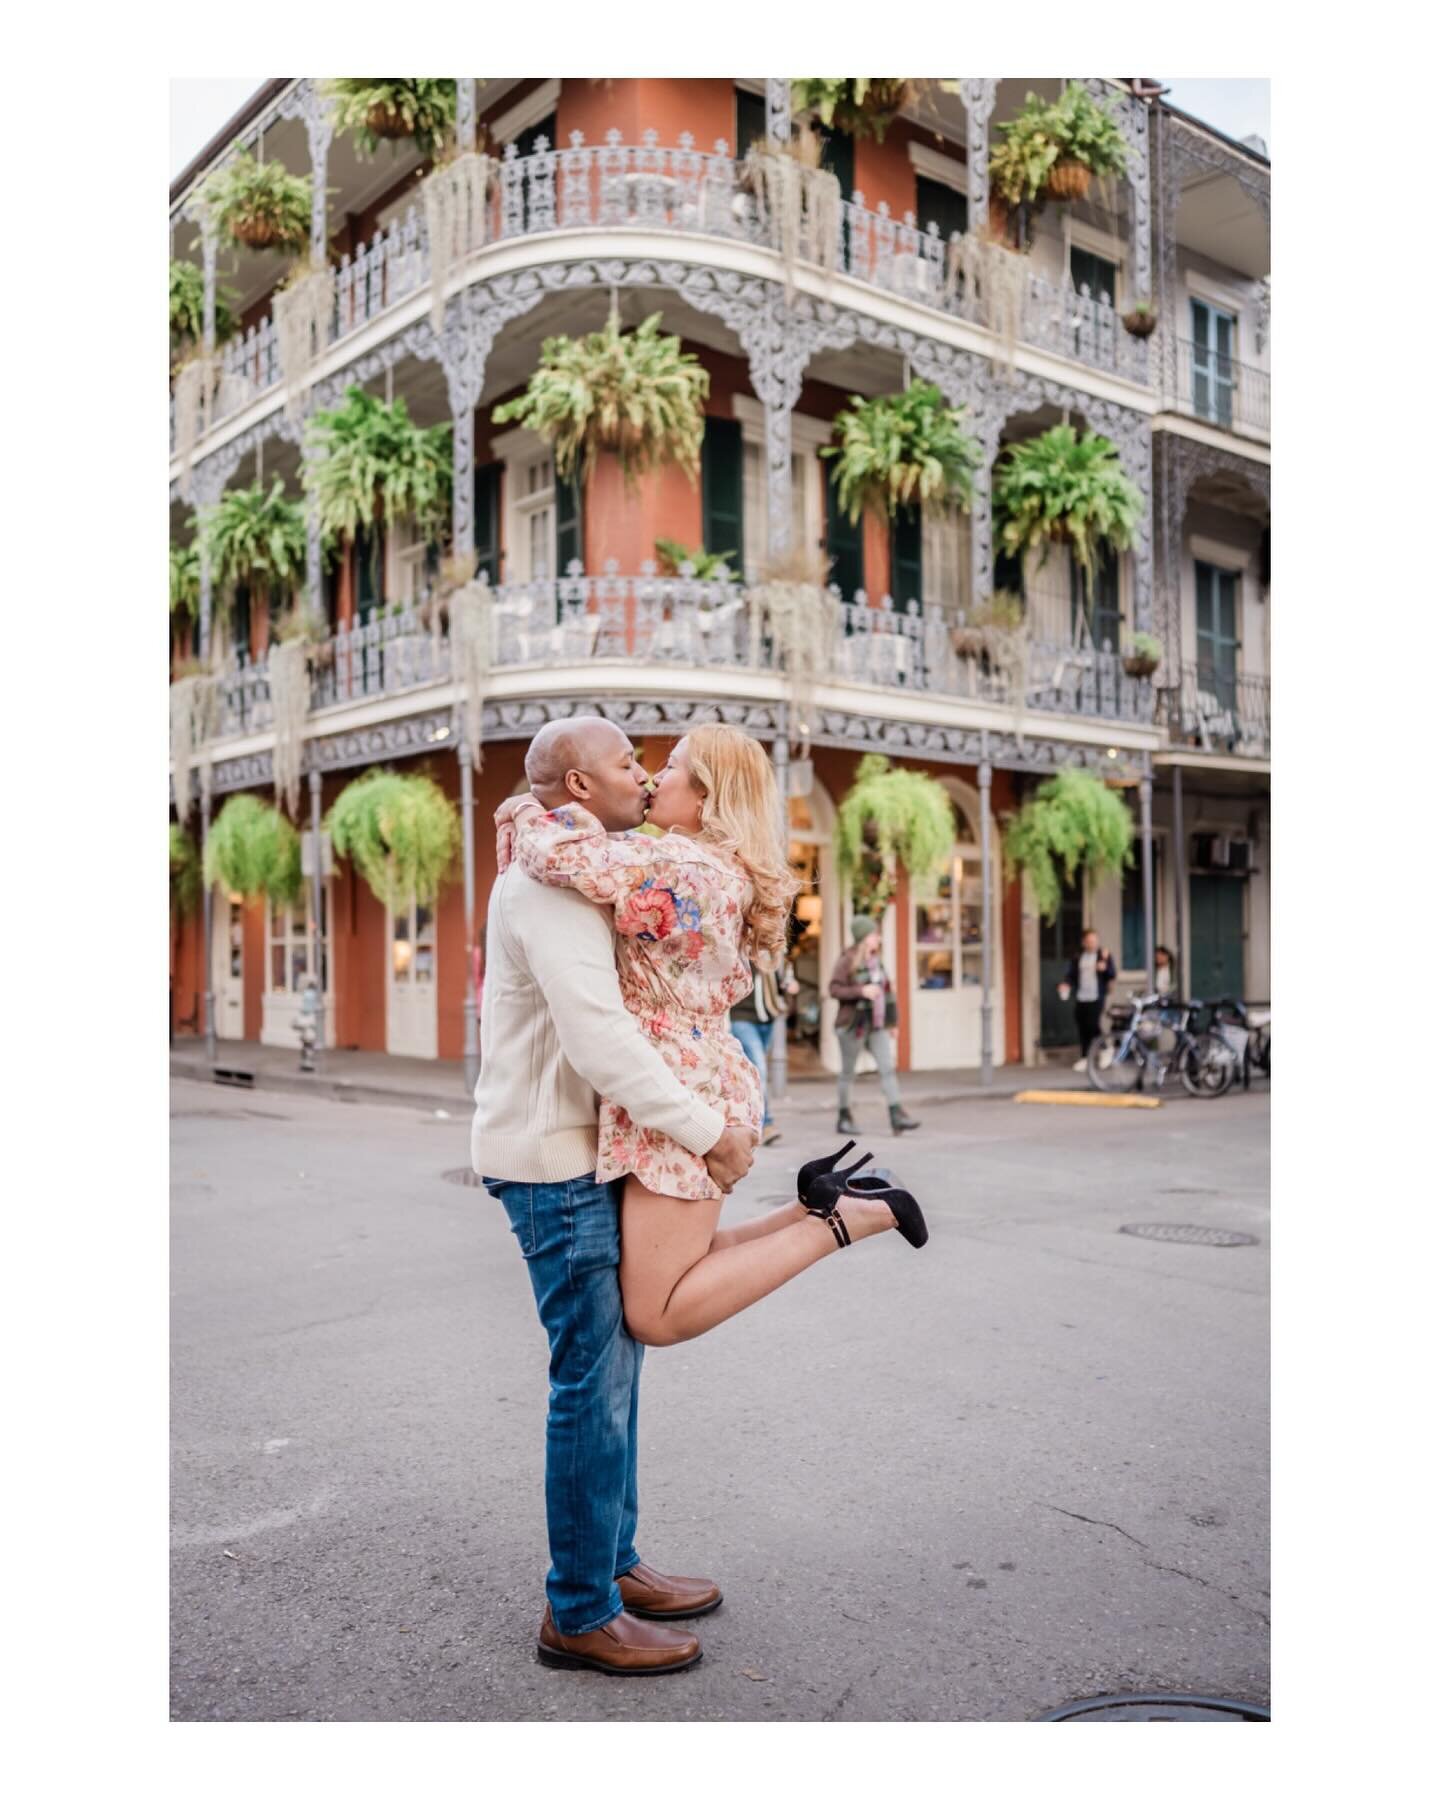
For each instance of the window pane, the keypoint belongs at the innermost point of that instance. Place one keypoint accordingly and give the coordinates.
(298, 962)
(424, 925)
(277, 968)
(424, 962)
(936, 969)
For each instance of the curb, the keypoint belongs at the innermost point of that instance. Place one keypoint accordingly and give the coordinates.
(322, 1087)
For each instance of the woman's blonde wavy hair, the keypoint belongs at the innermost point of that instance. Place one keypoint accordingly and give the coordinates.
(740, 812)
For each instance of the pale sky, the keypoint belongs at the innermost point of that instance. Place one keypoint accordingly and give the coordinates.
(198, 108)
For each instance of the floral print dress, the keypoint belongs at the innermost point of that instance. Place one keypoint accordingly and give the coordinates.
(679, 916)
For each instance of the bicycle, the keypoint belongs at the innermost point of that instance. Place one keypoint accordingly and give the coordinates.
(1246, 1029)
(1119, 1059)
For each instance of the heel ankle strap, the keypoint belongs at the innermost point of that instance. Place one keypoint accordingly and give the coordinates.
(836, 1224)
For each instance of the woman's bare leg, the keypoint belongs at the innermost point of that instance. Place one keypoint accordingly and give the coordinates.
(677, 1283)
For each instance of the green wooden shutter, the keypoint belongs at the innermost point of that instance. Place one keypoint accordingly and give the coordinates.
(838, 156)
(569, 533)
(722, 490)
(845, 544)
(525, 143)
(935, 200)
(906, 570)
(749, 120)
(1216, 640)
(1007, 573)
(487, 522)
(1094, 272)
(1103, 609)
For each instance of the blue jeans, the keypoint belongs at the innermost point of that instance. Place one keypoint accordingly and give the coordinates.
(754, 1039)
(569, 1235)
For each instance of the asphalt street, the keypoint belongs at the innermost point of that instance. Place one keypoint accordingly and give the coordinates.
(1026, 1464)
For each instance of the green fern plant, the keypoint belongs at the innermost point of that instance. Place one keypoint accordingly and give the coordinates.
(401, 833)
(187, 308)
(185, 579)
(705, 565)
(184, 872)
(1074, 128)
(256, 539)
(863, 107)
(260, 206)
(254, 849)
(637, 394)
(893, 813)
(1060, 487)
(1072, 821)
(376, 108)
(903, 450)
(369, 459)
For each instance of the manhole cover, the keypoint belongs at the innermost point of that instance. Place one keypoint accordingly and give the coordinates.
(463, 1178)
(1196, 1708)
(1191, 1234)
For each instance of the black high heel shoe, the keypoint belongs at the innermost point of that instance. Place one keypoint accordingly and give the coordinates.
(904, 1205)
(823, 1166)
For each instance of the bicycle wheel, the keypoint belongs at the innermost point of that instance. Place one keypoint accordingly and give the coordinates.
(1114, 1063)
(1208, 1067)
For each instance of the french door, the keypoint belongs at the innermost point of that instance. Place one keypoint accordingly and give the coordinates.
(1213, 335)
(410, 983)
(1216, 640)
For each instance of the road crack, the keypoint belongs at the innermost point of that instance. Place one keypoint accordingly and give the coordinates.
(1087, 1521)
(1163, 1568)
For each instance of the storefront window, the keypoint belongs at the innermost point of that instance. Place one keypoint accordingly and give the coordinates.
(948, 935)
(288, 964)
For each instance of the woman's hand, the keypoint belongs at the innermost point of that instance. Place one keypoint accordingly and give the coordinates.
(505, 828)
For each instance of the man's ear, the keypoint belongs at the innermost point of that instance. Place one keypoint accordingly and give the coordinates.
(577, 783)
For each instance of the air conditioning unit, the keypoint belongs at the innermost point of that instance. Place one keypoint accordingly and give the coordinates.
(1223, 853)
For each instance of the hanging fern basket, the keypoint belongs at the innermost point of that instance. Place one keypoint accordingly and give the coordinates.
(253, 850)
(893, 813)
(1140, 324)
(1139, 664)
(387, 122)
(401, 832)
(256, 233)
(1072, 821)
(1068, 180)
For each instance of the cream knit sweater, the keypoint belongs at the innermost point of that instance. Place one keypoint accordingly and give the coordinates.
(554, 1034)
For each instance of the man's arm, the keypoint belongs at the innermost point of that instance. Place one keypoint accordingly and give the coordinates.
(571, 953)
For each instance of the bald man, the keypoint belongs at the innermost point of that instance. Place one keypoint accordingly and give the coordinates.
(554, 1034)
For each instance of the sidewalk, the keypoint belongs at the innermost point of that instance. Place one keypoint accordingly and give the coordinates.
(416, 1082)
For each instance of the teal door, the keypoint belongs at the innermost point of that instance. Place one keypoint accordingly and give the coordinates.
(1217, 936)
(1213, 335)
(1059, 941)
(1216, 638)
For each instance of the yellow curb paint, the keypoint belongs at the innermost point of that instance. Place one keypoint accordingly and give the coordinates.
(1044, 1097)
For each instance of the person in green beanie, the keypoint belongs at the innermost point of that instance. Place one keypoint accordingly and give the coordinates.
(864, 1022)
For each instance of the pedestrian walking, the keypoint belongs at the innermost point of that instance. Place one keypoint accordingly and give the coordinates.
(1087, 978)
(753, 1020)
(865, 1020)
(1164, 971)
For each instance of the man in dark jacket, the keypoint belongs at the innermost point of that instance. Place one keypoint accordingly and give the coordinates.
(1088, 978)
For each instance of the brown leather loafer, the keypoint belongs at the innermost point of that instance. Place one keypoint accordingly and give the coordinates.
(622, 1646)
(651, 1595)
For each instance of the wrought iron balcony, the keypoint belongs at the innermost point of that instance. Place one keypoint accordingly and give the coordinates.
(1217, 390)
(615, 621)
(656, 188)
(1218, 711)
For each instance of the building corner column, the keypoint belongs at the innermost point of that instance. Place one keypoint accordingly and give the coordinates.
(979, 100)
(321, 952)
(987, 1008)
(1147, 863)
(467, 828)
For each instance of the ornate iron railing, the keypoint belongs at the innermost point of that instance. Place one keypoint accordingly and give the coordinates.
(655, 187)
(1204, 385)
(1216, 710)
(620, 620)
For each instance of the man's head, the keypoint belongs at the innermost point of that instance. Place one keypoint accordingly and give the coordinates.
(1089, 939)
(593, 762)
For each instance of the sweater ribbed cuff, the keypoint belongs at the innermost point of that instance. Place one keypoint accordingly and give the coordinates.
(701, 1131)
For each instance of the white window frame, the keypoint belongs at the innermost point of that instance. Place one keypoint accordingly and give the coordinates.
(807, 435)
(1080, 236)
(935, 167)
(517, 450)
(296, 931)
(525, 113)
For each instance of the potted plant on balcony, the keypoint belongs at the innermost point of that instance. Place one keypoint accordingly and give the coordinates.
(256, 539)
(253, 849)
(863, 107)
(892, 817)
(704, 565)
(903, 450)
(1141, 656)
(185, 580)
(799, 200)
(1053, 148)
(1072, 821)
(636, 395)
(1060, 487)
(370, 465)
(260, 206)
(401, 832)
(376, 108)
(977, 632)
(1141, 319)
(187, 311)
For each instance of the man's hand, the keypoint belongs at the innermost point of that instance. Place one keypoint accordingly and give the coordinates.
(505, 828)
(873, 992)
(1063, 990)
(729, 1158)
